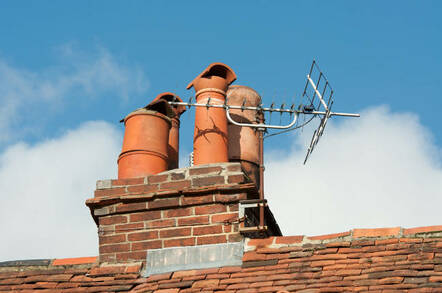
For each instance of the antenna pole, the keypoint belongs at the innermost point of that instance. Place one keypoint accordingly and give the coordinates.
(261, 177)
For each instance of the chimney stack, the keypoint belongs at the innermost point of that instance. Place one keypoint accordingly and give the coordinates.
(210, 143)
(156, 212)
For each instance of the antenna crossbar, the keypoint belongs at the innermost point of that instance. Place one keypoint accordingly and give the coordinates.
(263, 109)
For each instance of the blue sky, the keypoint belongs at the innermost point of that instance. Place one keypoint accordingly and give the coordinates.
(64, 64)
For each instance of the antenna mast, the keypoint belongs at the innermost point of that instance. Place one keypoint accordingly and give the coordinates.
(318, 93)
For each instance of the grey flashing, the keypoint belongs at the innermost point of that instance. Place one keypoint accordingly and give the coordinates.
(26, 263)
(193, 257)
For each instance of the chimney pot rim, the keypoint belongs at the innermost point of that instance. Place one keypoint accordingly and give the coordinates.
(230, 76)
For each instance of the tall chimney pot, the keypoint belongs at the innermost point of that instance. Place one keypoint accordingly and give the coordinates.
(210, 143)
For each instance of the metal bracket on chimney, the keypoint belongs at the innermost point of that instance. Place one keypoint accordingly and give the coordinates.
(251, 218)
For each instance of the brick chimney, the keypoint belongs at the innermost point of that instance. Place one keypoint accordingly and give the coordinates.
(192, 206)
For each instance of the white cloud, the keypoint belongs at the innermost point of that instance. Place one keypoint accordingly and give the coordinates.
(44, 187)
(76, 76)
(380, 170)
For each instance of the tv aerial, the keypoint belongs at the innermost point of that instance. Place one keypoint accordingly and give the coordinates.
(318, 97)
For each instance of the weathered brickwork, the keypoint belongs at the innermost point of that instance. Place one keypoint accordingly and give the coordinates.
(182, 207)
(361, 260)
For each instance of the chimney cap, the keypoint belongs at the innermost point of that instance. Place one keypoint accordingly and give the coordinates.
(215, 69)
(171, 97)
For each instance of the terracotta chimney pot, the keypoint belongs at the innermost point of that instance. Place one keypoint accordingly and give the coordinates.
(244, 141)
(210, 144)
(174, 133)
(145, 144)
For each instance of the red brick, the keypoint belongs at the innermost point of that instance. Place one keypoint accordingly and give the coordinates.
(222, 218)
(179, 242)
(128, 181)
(192, 200)
(236, 179)
(106, 258)
(129, 207)
(161, 223)
(207, 230)
(111, 220)
(230, 197)
(376, 232)
(110, 191)
(114, 248)
(180, 212)
(112, 239)
(233, 207)
(177, 176)
(142, 189)
(234, 168)
(139, 236)
(195, 220)
(289, 239)
(145, 216)
(202, 171)
(162, 203)
(210, 209)
(176, 185)
(427, 229)
(135, 256)
(211, 239)
(129, 227)
(330, 236)
(175, 232)
(153, 244)
(158, 178)
(227, 228)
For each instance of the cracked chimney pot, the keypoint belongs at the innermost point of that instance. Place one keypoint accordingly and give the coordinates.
(210, 143)
(145, 143)
(174, 135)
(244, 141)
